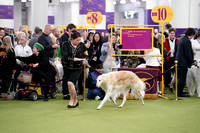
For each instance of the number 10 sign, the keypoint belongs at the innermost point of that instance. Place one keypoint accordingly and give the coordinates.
(161, 14)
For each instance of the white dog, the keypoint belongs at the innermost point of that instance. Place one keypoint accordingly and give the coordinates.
(116, 83)
(193, 79)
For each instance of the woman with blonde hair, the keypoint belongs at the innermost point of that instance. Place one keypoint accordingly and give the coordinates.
(7, 66)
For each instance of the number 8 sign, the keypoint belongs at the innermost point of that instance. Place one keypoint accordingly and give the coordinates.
(161, 14)
(94, 17)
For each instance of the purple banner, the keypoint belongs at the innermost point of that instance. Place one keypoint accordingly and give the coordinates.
(136, 39)
(51, 20)
(145, 74)
(6, 12)
(109, 18)
(92, 6)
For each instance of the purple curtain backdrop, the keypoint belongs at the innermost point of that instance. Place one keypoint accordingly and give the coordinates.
(6, 12)
(92, 6)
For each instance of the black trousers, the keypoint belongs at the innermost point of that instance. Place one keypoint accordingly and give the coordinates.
(6, 81)
(80, 83)
(65, 90)
(167, 76)
(182, 73)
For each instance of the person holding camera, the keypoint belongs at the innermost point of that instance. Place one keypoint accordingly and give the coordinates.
(106, 55)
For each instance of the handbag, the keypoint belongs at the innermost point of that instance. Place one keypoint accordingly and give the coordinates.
(25, 77)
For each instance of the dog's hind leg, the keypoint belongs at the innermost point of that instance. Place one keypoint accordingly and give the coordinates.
(107, 96)
(114, 100)
(198, 91)
(140, 95)
(124, 99)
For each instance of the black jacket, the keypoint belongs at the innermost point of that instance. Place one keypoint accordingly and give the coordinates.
(7, 60)
(44, 70)
(46, 42)
(184, 54)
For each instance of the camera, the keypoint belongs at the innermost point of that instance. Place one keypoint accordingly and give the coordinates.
(117, 44)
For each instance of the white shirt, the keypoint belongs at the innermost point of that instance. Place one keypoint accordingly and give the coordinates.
(172, 46)
(153, 60)
(196, 47)
(23, 51)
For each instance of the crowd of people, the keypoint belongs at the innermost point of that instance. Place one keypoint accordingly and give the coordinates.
(20, 48)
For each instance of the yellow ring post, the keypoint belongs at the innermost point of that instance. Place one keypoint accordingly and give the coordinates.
(176, 80)
(84, 83)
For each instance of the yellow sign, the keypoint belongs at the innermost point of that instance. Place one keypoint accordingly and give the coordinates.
(161, 14)
(94, 18)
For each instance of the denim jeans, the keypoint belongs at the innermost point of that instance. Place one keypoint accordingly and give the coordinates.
(107, 70)
(95, 92)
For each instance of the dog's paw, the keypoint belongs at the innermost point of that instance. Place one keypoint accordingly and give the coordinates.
(120, 106)
(99, 107)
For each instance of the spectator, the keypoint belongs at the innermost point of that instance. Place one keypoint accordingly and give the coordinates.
(45, 40)
(32, 42)
(42, 69)
(7, 33)
(7, 66)
(170, 42)
(65, 37)
(196, 46)
(106, 55)
(93, 91)
(154, 62)
(23, 50)
(167, 26)
(2, 34)
(185, 58)
(29, 34)
(55, 39)
(95, 50)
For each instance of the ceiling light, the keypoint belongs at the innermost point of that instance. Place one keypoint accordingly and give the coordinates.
(114, 2)
(23, 0)
(62, 0)
(122, 1)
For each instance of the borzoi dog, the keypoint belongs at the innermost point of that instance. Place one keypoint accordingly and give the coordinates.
(116, 83)
(193, 79)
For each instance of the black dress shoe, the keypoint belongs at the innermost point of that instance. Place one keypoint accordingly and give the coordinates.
(70, 106)
(183, 95)
(171, 89)
(77, 104)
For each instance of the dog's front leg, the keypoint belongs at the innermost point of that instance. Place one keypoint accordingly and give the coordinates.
(107, 96)
(124, 100)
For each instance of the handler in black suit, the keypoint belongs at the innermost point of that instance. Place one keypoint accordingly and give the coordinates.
(185, 59)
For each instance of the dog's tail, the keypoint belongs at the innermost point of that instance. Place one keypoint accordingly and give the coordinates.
(139, 92)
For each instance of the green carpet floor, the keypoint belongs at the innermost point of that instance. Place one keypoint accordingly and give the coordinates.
(156, 116)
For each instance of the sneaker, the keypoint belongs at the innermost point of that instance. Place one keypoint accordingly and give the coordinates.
(97, 98)
(159, 94)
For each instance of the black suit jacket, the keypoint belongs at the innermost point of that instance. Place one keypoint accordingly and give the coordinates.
(184, 54)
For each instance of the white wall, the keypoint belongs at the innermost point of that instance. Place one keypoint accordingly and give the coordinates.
(17, 15)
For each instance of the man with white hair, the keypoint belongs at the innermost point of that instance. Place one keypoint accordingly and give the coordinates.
(23, 50)
(46, 41)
